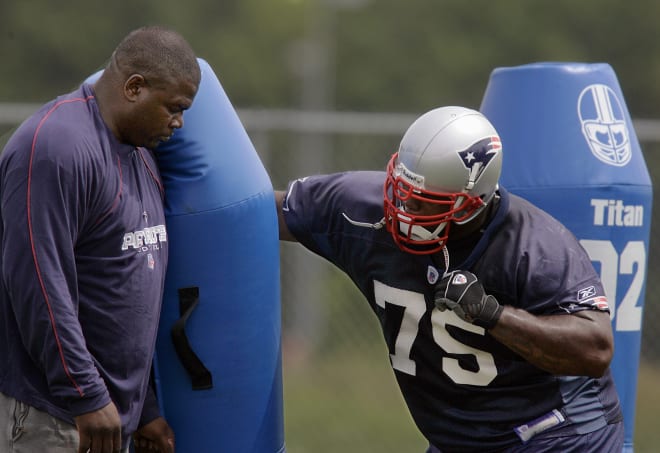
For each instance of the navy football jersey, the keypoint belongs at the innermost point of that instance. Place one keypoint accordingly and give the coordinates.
(464, 389)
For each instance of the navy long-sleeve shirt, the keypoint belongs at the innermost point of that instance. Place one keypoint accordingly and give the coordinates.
(84, 252)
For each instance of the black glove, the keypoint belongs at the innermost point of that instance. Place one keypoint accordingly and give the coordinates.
(461, 292)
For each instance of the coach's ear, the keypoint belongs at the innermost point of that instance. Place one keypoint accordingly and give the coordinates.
(134, 86)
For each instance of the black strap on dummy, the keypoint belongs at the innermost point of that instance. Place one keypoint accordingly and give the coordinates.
(200, 376)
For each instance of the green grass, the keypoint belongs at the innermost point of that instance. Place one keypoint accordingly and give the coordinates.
(347, 405)
(350, 403)
(647, 409)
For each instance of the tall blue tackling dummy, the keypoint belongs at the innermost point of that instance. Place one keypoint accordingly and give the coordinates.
(218, 352)
(570, 147)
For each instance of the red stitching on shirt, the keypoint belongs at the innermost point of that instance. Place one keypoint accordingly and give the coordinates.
(32, 245)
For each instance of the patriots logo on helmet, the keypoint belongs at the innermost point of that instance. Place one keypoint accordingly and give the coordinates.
(477, 156)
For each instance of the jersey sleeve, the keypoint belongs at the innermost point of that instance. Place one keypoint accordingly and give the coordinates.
(565, 268)
(309, 208)
(334, 215)
(44, 191)
(549, 272)
(582, 288)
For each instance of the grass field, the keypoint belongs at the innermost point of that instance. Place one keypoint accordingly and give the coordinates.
(647, 426)
(347, 404)
(351, 404)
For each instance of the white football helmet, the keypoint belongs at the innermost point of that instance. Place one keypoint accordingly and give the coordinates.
(450, 156)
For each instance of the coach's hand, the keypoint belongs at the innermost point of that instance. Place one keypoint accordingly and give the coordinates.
(155, 436)
(461, 292)
(100, 430)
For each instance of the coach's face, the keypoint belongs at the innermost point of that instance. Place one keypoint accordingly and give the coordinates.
(155, 109)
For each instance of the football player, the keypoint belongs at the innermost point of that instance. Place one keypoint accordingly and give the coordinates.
(496, 321)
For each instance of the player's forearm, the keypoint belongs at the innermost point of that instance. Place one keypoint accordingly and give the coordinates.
(575, 345)
(285, 234)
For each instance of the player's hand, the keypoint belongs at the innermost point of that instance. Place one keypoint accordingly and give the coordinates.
(99, 431)
(461, 292)
(155, 436)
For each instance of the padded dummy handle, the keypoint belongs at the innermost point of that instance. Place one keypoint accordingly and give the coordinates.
(199, 374)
